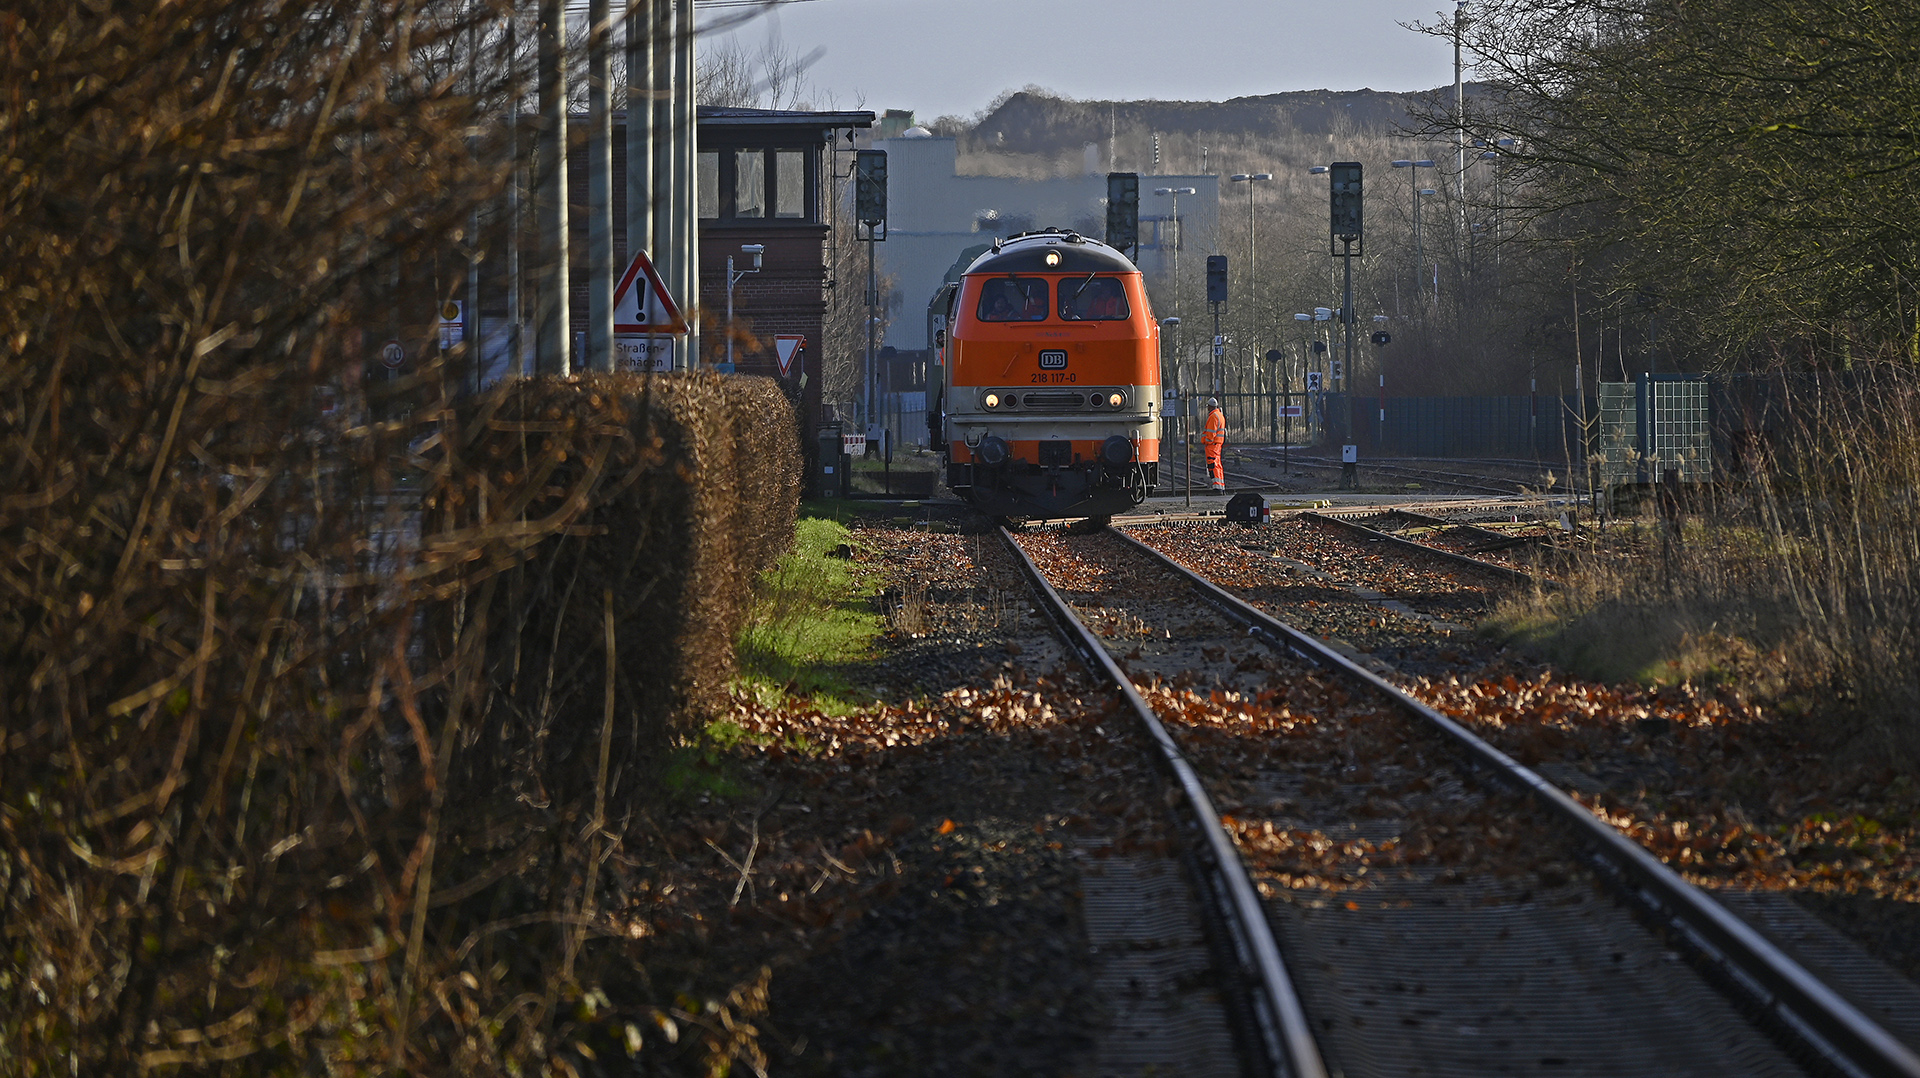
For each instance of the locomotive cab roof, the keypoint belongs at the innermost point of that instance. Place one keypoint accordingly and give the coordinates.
(1027, 252)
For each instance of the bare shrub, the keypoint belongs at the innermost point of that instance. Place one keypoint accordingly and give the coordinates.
(1801, 582)
(240, 672)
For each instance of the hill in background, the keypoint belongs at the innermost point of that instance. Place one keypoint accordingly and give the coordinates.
(1034, 131)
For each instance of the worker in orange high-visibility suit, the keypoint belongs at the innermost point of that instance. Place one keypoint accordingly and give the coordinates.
(1213, 439)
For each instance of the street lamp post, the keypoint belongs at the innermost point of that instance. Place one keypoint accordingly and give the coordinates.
(1422, 267)
(733, 278)
(1495, 155)
(1253, 267)
(1175, 192)
(1413, 173)
(1460, 22)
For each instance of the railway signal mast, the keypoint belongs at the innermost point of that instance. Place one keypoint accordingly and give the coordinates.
(1343, 192)
(870, 213)
(1217, 295)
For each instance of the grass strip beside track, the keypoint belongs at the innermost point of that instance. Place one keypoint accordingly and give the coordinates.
(812, 614)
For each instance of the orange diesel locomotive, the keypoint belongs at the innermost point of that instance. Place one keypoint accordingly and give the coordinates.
(1050, 380)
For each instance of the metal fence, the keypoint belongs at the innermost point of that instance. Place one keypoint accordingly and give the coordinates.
(1654, 426)
(1521, 428)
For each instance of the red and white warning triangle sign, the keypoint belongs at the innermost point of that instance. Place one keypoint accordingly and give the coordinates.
(641, 304)
(785, 347)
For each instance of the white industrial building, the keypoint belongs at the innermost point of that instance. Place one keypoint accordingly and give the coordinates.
(934, 215)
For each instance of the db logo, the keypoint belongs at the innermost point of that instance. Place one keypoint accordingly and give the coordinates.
(1053, 359)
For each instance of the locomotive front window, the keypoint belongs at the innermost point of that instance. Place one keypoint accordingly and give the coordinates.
(1093, 299)
(1013, 299)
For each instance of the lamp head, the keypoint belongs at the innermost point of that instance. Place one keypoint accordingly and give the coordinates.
(754, 249)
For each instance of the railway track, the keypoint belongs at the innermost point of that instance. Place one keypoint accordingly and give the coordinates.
(1279, 1037)
(1478, 483)
(1494, 569)
(1435, 920)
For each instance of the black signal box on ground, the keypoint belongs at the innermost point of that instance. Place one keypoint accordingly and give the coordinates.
(1247, 509)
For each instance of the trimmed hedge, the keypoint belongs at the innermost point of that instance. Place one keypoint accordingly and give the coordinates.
(665, 497)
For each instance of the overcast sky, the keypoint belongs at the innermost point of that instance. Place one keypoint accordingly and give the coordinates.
(940, 58)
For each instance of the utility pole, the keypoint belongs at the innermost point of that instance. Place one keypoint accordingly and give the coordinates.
(686, 215)
(551, 354)
(600, 267)
(1460, 21)
(666, 256)
(1253, 267)
(641, 27)
(516, 338)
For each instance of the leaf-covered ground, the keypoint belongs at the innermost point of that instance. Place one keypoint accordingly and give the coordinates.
(1715, 782)
(909, 870)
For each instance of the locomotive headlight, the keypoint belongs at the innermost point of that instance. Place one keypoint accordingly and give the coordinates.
(1116, 400)
(1053, 258)
(991, 400)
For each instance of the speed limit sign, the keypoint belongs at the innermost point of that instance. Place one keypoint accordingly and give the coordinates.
(393, 355)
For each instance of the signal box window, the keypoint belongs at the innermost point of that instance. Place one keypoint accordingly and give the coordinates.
(1013, 299)
(750, 183)
(1093, 299)
(706, 184)
(757, 184)
(790, 184)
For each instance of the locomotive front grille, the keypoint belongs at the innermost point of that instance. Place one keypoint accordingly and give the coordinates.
(1054, 401)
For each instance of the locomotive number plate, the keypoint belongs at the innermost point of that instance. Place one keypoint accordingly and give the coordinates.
(1053, 359)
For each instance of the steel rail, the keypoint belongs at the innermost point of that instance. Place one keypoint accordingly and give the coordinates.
(1440, 524)
(1287, 1039)
(1770, 979)
(1518, 576)
(1451, 479)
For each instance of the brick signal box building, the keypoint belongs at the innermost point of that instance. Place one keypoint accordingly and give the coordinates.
(762, 176)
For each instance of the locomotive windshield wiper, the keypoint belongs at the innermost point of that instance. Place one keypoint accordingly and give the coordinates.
(1078, 289)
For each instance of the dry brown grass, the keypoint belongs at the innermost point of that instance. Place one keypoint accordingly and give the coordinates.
(1800, 583)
